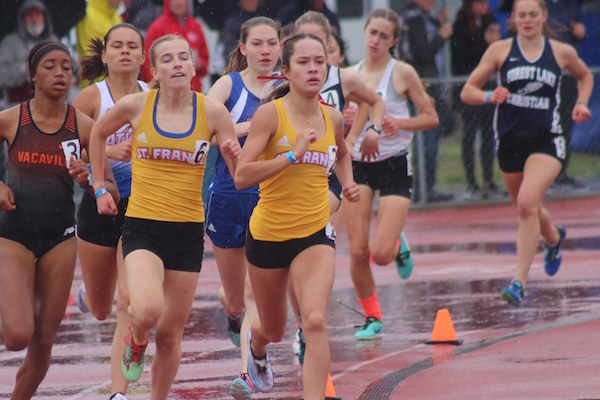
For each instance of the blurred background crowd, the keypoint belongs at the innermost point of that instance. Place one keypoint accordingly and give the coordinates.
(442, 39)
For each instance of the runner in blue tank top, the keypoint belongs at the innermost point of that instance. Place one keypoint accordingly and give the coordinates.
(228, 210)
(531, 147)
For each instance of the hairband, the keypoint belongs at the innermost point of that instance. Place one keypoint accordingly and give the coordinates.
(274, 77)
(42, 51)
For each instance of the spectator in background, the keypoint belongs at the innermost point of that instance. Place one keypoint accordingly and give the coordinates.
(564, 18)
(421, 42)
(230, 35)
(178, 19)
(474, 29)
(100, 16)
(296, 8)
(33, 26)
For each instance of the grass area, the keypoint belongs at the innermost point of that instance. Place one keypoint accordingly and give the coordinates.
(450, 169)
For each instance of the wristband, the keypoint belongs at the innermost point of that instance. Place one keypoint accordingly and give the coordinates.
(100, 192)
(488, 96)
(290, 157)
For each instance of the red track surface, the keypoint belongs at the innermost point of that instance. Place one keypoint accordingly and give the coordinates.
(545, 349)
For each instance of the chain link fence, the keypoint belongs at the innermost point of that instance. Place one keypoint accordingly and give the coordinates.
(456, 162)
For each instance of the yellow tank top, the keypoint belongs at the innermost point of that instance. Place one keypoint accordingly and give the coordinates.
(293, 204)
(168, 168)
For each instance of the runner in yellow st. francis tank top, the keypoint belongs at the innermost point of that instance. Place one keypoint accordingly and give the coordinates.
(296, 190)
(179, 159)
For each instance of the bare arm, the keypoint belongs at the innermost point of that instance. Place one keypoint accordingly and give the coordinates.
(569, 60)
(407, 78)
(360, 119)
(84, 128)
(369, 147)
(491, 61)
(88, 101)
(222, 131)
(343, 167)
(249, 170)
(356, 90)
(9, 120)
(220, 92)
(264, 125)
(126, 110)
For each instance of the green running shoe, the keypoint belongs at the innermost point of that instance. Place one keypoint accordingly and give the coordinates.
(372, 327)
(404, 259)
(132, 364)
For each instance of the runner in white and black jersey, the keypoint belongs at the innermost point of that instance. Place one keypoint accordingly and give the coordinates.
(531, 144)
(382, 164)
(118, 57)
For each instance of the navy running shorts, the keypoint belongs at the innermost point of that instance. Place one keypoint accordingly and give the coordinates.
(514, 148)
(180, 245)
(227, 217)
(269, 255)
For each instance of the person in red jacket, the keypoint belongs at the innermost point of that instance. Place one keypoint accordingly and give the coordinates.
(178, 18)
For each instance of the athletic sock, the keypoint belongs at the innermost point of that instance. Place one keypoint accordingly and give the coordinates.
(370, 306)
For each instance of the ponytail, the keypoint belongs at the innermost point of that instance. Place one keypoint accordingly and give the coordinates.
(278, 92)
(92, 66)
(237, 61)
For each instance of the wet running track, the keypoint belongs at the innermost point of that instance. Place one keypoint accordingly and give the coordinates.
(545, 349)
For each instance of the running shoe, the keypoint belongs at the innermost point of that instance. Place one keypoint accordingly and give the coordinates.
(259, 369)
(234, 325)
(372, 327)
(81, 299)
(241, 388)
(302, 347)
(513, 293)
(132, 364)
(552, 256)
(404, 260)
(118, 396)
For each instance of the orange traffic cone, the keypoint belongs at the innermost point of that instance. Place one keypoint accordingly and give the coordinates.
(330, 390)
(443, 330)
